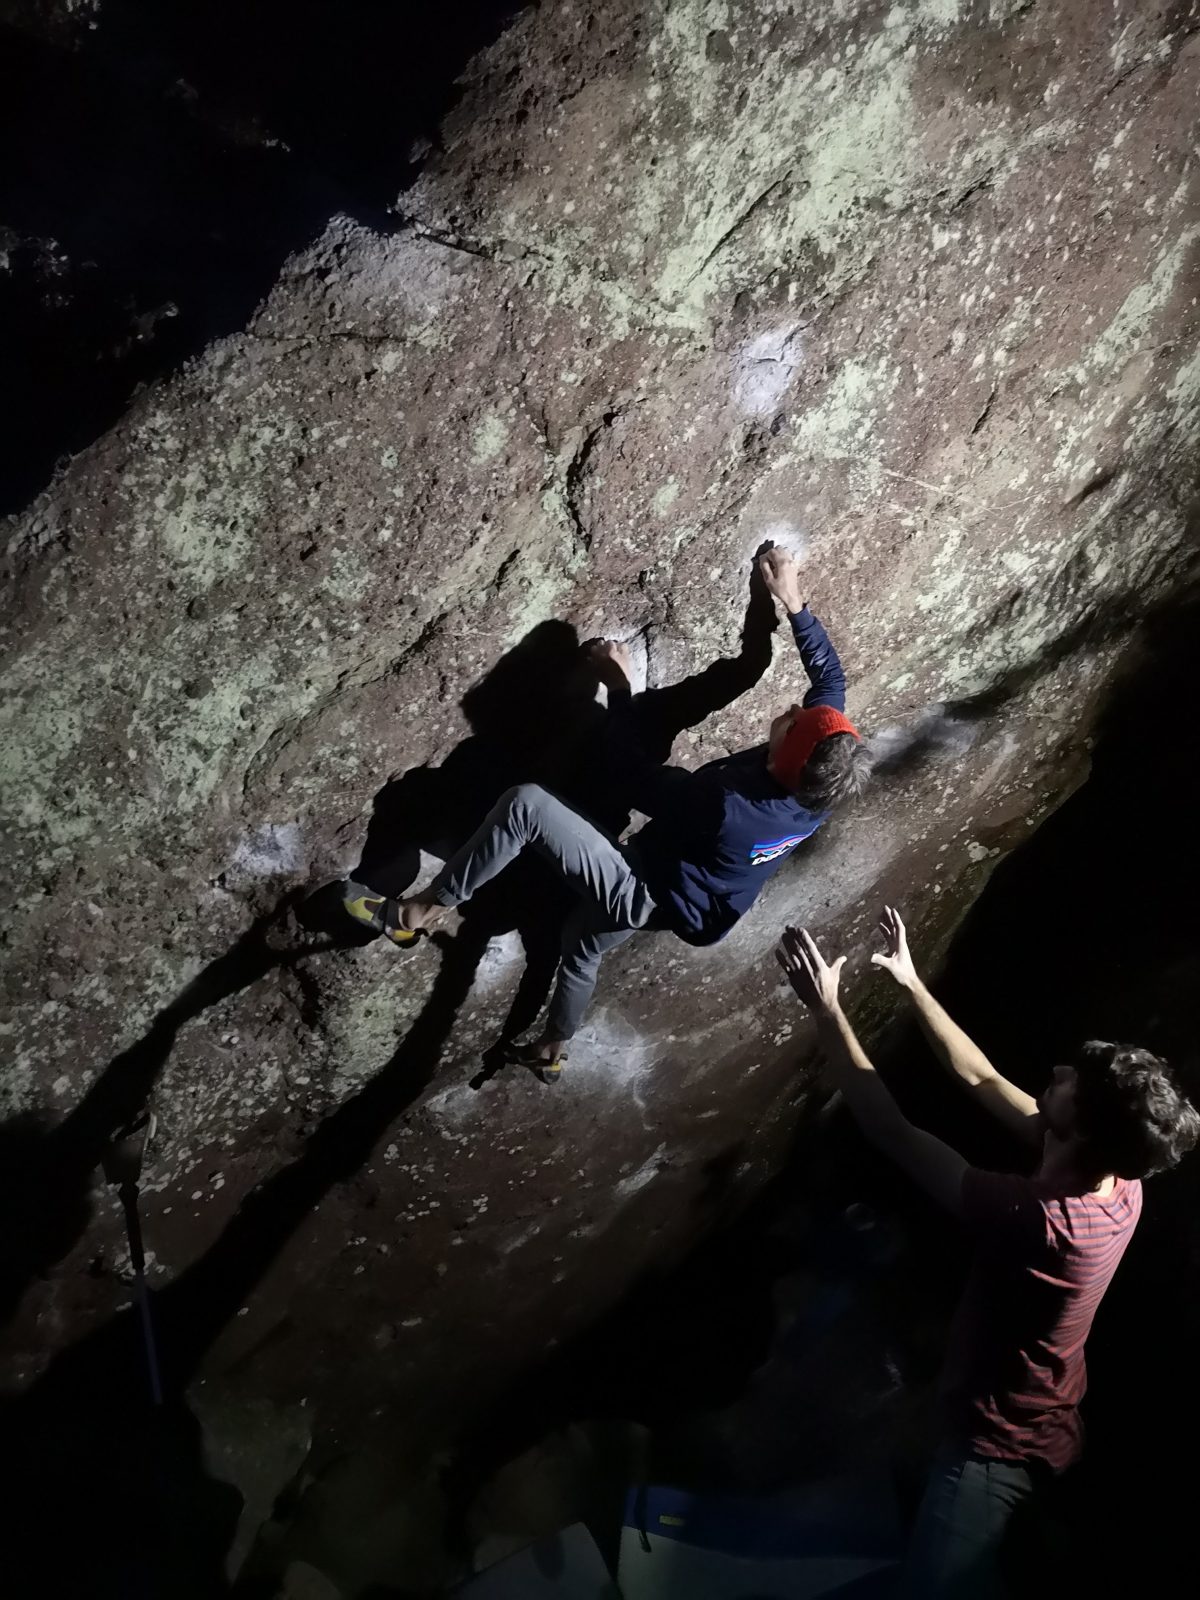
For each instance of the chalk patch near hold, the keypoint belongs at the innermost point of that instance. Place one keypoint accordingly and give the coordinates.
(608, 1053)
(270, 851)
(507, 1246)
(787, 536)
(932, 735)
(646, 1173)
(503, 954)
(607, 1047)
(763, 370)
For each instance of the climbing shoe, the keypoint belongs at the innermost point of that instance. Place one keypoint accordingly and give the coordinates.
(402, 938)
(528, 1055)
(364, 905)
(378, 913)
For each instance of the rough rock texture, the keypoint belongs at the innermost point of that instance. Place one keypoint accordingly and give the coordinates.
(910, 288)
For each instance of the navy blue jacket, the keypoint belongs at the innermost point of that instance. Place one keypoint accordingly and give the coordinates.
(717, 834)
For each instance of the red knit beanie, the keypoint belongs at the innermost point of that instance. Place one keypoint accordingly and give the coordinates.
(811, 726)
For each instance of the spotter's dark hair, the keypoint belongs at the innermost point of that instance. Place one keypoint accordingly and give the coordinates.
(1131, 1110)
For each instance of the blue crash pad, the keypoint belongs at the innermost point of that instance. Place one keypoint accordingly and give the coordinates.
(837, 1538)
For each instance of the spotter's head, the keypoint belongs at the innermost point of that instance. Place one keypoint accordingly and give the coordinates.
(1123, 1110)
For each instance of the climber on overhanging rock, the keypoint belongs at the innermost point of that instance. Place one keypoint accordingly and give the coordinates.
(715, 835)
(1047, 1248)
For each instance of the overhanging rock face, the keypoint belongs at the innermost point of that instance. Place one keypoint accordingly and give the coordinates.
(912, 296)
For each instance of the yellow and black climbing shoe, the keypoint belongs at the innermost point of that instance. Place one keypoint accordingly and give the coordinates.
(364, 905)
(379, 913)
(529, 1055)
(402, 938)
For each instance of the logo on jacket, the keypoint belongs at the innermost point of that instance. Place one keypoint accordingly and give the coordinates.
(760, 854)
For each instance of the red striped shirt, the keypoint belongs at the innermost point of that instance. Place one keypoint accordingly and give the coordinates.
(1015, 1370)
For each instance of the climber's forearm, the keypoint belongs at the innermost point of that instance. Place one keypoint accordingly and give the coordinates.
(821, 661)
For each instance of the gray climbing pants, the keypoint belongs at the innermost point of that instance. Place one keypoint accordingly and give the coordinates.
(614, 902)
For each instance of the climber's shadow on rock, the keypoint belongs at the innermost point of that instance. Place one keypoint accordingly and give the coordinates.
(529, 716)
(535, 718)
(85, 1432)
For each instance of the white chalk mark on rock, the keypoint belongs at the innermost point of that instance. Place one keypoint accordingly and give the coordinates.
(785, 536)
(270, 851)
(507, 1246)
(763, 370)
(931, 735)
(646, 1173)
(502, 957)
